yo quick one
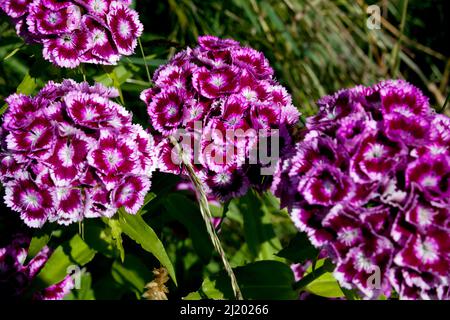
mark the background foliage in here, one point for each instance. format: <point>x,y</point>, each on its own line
<point>316,47</point>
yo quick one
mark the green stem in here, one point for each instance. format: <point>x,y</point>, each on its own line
<point>310,277</point>
<point>396,50</point>
<point>445,104</point>
<point>82,71</point>
<point>145,61</point>
<point>207,216</point>
<point>225,210</point>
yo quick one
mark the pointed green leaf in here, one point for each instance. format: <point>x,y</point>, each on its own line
<point>258,280</point>
<point>208,290</point>
<point>137,229</point>
<point>116,233</point>
<point>28,85</point>
<point>299,249</point>
<point>36,245</point>
<point>72,253</point>
<point>325,286</point>
<point>132,274</point>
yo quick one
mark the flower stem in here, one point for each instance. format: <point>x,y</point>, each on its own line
<point>397,47</point>
<point>445,104</point>
<point>207,216</point>
<point>310,277</point>
<point>145,61</point>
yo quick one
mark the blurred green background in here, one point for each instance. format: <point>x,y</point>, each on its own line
<point>315,46</point>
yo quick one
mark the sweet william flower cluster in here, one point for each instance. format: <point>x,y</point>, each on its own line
<point>16,275</point>
<point>370,183</point>
<point>77,31</point>
<point>71,153</point>
<point>212,96</point>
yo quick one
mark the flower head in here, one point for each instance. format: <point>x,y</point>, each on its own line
<point>77,31</point>
<point>70,152</point>
<point>221,103</point>
<point>370,184</point>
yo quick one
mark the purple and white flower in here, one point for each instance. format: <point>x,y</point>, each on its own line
<point>218,100</point>
<point>77,31</point>
<point>369,183</point>
<point>70,153</point>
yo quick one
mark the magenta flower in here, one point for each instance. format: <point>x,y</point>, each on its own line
<point>77,31</point>
<point>70,152</point>
<point>369,183</point>
<point>220,101</point>
<point>16,276</point>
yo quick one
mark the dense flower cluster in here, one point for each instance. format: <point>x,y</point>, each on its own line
<point>370,183</point>
<point>77,31</point>
<point>220,97</point>
<point>70,152</point>
<point>16,275</point>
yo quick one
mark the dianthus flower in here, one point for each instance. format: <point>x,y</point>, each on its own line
<point>370,184</point>
<point>16,276</point>
<point>71,153</point>
<point>77,31</point>
<point>220,101</point>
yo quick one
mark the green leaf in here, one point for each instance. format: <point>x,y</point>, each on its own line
<point>12,53</point>
<point>208,290</point>
<point>132,274</point>
<point>3,109</point>
<point>148,198</point>
<point>299,249</point>
<point>258,280</point>
<point>258,228</point>
<point>37,243</point>
<point>74,252</point>
<point>137,229</point>
<point>116,234</point>
<point>106,288</point>
<point>28,85</point>
<point>188,213</point>
<point>85,291</point>
<point>98,236</point>
<point>325,285</point>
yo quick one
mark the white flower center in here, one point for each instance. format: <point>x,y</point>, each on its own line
<point>65,155</point>
<point>99,37</point>
<point>248,94</point>
<point>124,29</point>
<point>67,39</point>
<point>217,81</point>
<point>425,216</point>
<point>98,6</point>
<point>178,84</point>
<point>172,110</point>
<point>426,251</point>
<point>31,199</point>
<point>363,263</point>
<point>35,135</point>
<point>89,113</point>
<point>430,181</point>
<point>223,178</point>
<point>52,18</point>
<point>376,152</point>
<point>112,157</point>
<point>348,236</point>
<point>126,192</point>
